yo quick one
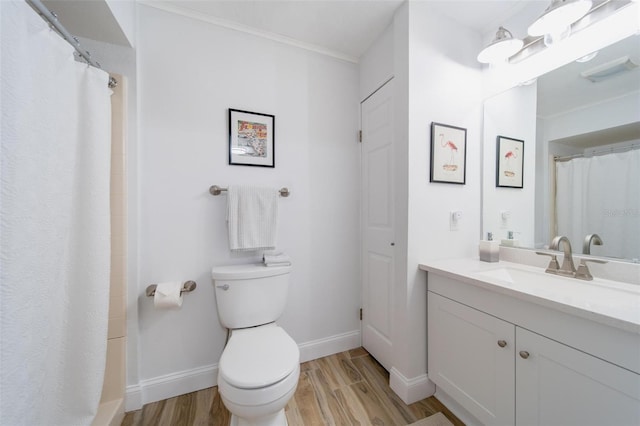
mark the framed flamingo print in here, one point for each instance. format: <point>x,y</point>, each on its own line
<point>448,154</point>
<point>509,162</point>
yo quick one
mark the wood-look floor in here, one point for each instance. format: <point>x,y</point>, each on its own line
<point>349,388</point>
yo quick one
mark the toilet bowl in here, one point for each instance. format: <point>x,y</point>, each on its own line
<point>258,374</point>
<point>260,365</point>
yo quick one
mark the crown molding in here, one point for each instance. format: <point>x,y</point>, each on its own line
<point>190,13</point>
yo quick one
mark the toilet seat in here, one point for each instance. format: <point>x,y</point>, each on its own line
<point>258,400</point>
<point>258,357</point>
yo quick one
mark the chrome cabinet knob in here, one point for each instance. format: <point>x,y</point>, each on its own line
<point>502,343</point>
<point>524,354</point>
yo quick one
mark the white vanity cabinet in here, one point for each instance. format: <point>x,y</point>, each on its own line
<point>508,361</point>
<point>556,384</point>
<point>474,361</point>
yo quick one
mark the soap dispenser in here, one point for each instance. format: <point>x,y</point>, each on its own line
<point>489,249</point>
<point>510,241</point>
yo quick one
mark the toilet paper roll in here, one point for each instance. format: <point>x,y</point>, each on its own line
<point>168,295</point>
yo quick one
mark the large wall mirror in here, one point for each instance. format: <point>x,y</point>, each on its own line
<point>581,129</point>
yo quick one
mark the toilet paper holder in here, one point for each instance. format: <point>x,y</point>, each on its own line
<point>188,286</point>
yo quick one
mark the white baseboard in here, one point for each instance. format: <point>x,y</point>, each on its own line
<point>170,385</point>
<point>133,398</point>
<point>179,383</point>
<point>411,390</point>
<point>330,345</point>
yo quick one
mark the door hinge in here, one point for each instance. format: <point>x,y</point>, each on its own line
<point>360,314</point>
<point>360,136</point>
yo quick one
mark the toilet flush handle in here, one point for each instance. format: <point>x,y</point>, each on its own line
<point>224,287</point>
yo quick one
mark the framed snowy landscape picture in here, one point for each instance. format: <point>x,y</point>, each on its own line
<point>251,138</point>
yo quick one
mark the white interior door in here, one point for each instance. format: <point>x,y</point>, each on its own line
<point>377,222</point>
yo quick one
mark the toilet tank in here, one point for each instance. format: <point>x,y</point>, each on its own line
<point>250,295</point>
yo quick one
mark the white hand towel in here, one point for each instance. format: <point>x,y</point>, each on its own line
<point>252,217</point>
<point>276,259</point>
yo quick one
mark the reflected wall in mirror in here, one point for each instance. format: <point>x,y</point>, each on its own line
<point>510,209</point>
<point>587,155</point>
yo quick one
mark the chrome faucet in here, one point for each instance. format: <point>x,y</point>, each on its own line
<point>586,246</point>
<point>553,264</point>
<point>567,269</point>
<point>583,272</point>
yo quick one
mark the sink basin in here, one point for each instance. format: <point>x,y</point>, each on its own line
<point>610,302</point>
<point>592,295</point>
<point>509,275</point>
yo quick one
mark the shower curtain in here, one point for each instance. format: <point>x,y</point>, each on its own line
<point>601,195</point>
<point>55,226</point>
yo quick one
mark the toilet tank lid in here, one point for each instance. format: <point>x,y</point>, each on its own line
<point>241,272</point>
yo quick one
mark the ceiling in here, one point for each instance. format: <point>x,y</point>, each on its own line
<point>341,28</point>
<point>91,19</point>
<point>345,27</point>
<point>564,89</point>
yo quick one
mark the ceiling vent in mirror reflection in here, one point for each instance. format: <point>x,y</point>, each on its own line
<point>609,69</point>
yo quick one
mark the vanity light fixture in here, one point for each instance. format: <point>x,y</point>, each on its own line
<point>501,48</point>
<point>558,17</point>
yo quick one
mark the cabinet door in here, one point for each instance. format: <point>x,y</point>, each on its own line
<point>559,385</point>
<point>471,358</point>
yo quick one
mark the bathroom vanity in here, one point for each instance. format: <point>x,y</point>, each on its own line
<point>513,345</point>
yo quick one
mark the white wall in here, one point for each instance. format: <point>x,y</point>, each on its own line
<point>376,65</point>
<point>103,20</point>
<point>445,86</point>
<point>603,115</point>
<point>124,12</point>
<point>190,73</point>
<point>436,78</point>
<point>511,114</point>
<point>389,57</point>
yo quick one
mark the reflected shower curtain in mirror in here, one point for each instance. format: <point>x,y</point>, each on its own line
<point>601,195</point>
<point>55,245</point>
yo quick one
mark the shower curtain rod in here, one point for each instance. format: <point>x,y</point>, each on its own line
<point>600,152</point>
<point>52,19</point>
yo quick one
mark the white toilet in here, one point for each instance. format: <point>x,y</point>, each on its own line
<point>260,365</point>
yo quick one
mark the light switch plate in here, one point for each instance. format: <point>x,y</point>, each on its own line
<point>454,219</point>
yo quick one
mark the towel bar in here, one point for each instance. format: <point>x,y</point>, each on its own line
<point>216,190</point>
<point>186,287</point>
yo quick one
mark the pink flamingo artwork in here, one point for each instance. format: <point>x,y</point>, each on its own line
<point>510,155</point>
<point>453,149</point>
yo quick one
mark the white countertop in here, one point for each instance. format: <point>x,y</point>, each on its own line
<point>609,302</point>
